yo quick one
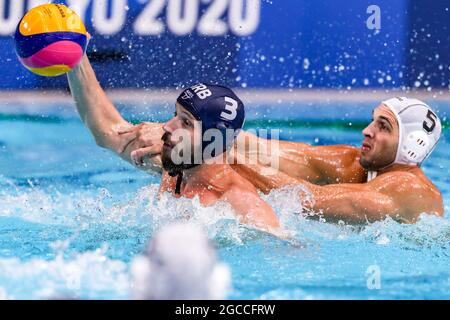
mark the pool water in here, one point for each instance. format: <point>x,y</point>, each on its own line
<point>73,216</point>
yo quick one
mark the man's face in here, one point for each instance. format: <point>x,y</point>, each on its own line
<point>379,146</point>
<point>182,138</point>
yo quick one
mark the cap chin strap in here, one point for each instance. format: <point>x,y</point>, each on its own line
<point>371,175</point>
<point>179,175</point>
<point>179,181</point>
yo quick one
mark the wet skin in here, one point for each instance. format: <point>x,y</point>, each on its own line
<point>210,182</point>
<point>335,175</point>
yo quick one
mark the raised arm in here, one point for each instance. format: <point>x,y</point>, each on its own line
<point>250,208</point>
<point>295,160</point>
<point>316,164</point>
<point>96,110</point>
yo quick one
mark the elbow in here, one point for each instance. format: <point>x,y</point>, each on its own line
<point>107,139</point>
<point>104,133</point>
<point>349,212</point>
<point>102,142</point>
<point>439,204</point>
<point>440,212</point>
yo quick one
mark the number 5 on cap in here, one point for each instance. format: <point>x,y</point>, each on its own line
<point>429,127</point>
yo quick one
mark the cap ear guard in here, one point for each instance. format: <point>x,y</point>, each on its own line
<point>228,139</point>
<point>415,147</point>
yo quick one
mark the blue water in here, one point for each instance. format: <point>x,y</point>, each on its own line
<point>73,216</point>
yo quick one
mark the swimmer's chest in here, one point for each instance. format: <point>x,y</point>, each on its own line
<point>207,195</point>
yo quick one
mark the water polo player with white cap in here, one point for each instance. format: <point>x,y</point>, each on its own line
<point>419,129</point>
<point>401,136</point>
<point>383,177</point>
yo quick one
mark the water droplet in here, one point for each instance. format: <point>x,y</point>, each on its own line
<point>306,63</point>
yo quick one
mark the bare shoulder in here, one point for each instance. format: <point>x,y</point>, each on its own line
<point>395,177</point>
<point>236,184</point>
<point>240,183</point>
<point>413,190</point>
<point>340,163</point>
<point>412,179</point>
<point>402,183</point>
<point>346,148</point>
<point>349,156</point>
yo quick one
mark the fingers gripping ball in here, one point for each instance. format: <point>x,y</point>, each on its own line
<point>50,40</point>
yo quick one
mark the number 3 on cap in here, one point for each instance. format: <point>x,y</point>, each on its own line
<point>230,106</point>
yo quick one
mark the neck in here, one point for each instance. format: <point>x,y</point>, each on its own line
<point>396,167</point>
<point>204,174</point>
<point>205,170</point>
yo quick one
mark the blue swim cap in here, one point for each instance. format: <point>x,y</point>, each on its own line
<point>217,107</point>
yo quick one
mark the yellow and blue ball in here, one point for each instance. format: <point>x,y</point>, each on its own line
<point>50,40</point>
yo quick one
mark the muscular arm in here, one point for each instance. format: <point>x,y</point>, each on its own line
<point>100,115</point>
<point>294,160</point>
<point>398,195</point>
<point>316,164</point>
<point>94,107</point>
<point>251,209</point>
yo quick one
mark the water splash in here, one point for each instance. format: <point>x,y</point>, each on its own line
<point>428,232</point>
<point>79,244</point>
<point>85,275</point>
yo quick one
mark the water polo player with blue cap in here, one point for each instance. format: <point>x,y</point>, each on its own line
<point>217,108</point>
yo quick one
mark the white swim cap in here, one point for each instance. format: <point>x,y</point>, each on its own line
<point>181,264</point>
<point>419,129</point>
